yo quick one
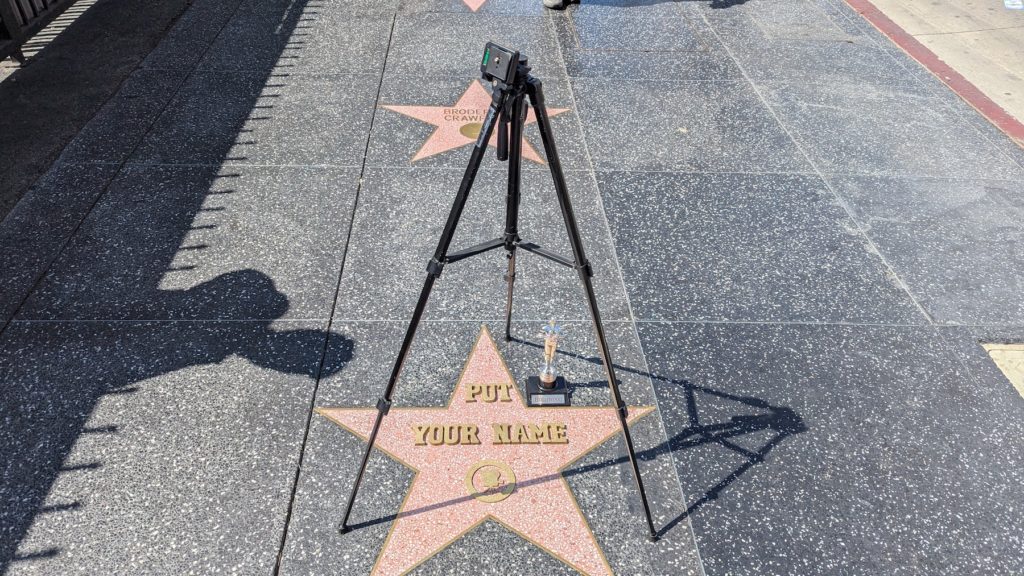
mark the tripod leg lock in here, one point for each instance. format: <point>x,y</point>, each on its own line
<point>434,267</point>
<point>586,268</point>
<point>383,406</point>
<point>623,411</point>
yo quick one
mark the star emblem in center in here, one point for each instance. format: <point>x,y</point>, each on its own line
<point>487,456</point>
<point>459,124</point>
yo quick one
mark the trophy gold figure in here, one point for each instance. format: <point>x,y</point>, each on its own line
<point>548,388</point>
<point>551,333</point>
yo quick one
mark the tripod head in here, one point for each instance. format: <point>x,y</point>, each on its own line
<point>508,71</point>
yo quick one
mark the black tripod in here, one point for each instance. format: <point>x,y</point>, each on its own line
<point>508,110</point>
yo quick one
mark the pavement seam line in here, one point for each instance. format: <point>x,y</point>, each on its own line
<point>120,165</point>
<point>592,171</point>
<point>334,304</point>
<point>865,16</point>
<point>842,202</point>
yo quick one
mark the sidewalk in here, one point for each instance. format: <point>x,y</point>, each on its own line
<point>800,240</point>
<point>971,46</point>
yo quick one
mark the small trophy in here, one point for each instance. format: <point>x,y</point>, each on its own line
<point>548,388</point>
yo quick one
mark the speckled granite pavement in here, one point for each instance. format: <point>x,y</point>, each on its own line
<point>801,241</point>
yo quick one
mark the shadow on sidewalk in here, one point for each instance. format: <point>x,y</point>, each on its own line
<point>53,375</point>
<point>46,102</point>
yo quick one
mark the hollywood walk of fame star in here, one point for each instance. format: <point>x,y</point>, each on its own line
<point>474,5</point>
<point>459,486</point>
<point>459,124</point>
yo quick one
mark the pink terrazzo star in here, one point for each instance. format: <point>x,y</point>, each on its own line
<point>474,5</point>
<point>459,124</point>
<point>459,486</point>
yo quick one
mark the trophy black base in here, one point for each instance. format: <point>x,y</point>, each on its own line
<point>537,395</point>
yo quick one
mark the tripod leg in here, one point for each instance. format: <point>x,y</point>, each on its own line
<point>433,272</point>
<point>511,279</point>
<point>536,93</point>
<point>515,161</point>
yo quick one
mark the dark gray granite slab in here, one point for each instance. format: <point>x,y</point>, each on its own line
<point>259,117</point>
<point>358,7</point>
<point>853,128</point>
<point>205,243</point>
<point>746,248</point>
<point>957,244</point>
<point>114,132</point>
<point>810,19</point>
<point>191,36</point>
<point>34,232</point>
<point>397,138</point>
<point>803,44</point>
<point>601,482</point>
<point>682,126</point>
<point>839,450</point>
<point>398,222</point>
<point>1014,150</point>
<point>430,45</point>
<point>301,40</point>
<point>519,7</point>
<point>621,39</point>
<point>152,447</point>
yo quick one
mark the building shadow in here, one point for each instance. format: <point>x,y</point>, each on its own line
<point>54,374</point>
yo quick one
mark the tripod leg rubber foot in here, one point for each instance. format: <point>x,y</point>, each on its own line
<point>652,537</point>
<point>345,529</point>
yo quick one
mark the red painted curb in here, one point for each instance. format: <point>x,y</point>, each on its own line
<point>963,88</point>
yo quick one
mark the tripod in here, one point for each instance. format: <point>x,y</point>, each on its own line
<point>508,111</point>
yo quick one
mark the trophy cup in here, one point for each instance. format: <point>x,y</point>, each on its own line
<point>548,388</point>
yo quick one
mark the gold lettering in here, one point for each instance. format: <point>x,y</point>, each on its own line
<point>469,435</point>
<point>503,393</point>
<point>472,391</point>
<point>501,434</point>
<point>420,434</point>
<point>557,433</point>
<point>490,394</point>
<point>522,435</point>
<point>436,436</point>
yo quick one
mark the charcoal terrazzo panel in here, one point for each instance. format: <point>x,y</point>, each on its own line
<point>695,126</point>
<point>804,44</point>
<point>191,36</point>
<point>262,117</point>
<point>481,7</point>
<point>820,450</point>
<point>955,243</point>
<point>205,243</point>
<point>142,446</point>
<point>35,231</point>
<point>734,247</point>
<point>115,131</point>
<point>437,45</point>
<point>401,214</point>
<point>852,128</point>
<point>302,40</point>
<point>617,39</point>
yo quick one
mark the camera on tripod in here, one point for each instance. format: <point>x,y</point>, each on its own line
<point>499,64</point>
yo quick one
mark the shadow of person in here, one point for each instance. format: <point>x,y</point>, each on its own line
<point>59,379</point>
